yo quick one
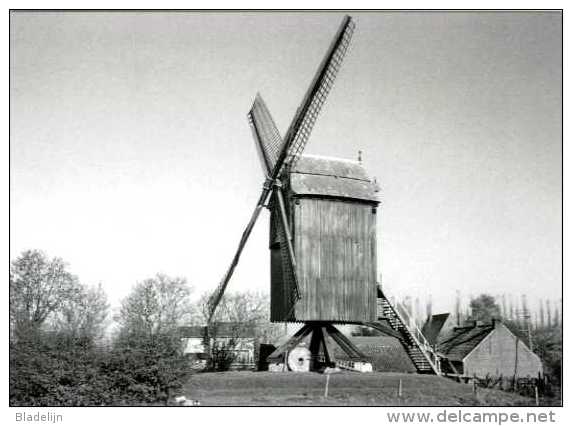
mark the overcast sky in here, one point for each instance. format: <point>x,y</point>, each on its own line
<point>131,152</point>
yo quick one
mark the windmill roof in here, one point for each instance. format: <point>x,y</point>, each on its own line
<point>335,177</point>
<point>457,344</point>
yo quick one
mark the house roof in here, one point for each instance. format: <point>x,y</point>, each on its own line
<point>514,329</point>
<point>192,331</point>
<point>336,177</point>
<point>432,328</point>
<point>458,342</point>
<point>222,329</point>
<point>382,326</point>
<point>386,353</point>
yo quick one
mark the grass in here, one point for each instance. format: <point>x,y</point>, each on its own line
<point>345,388</point>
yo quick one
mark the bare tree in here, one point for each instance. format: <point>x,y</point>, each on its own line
<point>239,311</point>
<point>38,288</point>
<point>84,314</point>
<point>147,347</point>
<point>243,307</point>
<point>156,305</point>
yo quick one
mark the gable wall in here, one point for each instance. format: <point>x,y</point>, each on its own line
<point>496,355</point>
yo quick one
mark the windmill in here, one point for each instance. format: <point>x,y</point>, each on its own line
<point>322,229</point>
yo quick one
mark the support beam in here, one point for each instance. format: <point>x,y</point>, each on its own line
<point>328,354</point>
<point>319,332</point>
<point>291,343</point>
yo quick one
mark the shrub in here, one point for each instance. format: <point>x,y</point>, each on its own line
<point>53,369</point>
<point>56,370</point>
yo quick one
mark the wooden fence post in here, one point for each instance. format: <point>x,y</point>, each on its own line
<point>327,384</point>
<point>400,389</point>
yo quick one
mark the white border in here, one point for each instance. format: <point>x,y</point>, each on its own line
<point>263,415</point>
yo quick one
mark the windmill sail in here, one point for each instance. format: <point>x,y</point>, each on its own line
<point>276,153</point>
<point>269,143</point>
<point>305,117</point>
<point>216,297</point>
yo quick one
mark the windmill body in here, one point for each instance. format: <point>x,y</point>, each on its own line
<point>322,233</point>
<point>323,214</point>
<point>332,210</point>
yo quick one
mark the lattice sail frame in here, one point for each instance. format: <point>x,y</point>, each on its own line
<point>267,138</point>
<point>269,143</point>
<point>319,89</point>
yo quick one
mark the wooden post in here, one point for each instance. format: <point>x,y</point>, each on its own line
<point>327,384</point>
<point>400,389</point>
<point>536,395</point>
<point>474,384</point>
<point>515,364</point>
<point>513,385</point>
<point>458,307</point>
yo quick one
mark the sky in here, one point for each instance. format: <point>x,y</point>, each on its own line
<point>131,154</point>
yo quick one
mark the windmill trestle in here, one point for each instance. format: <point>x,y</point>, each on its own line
<point>320,354</point>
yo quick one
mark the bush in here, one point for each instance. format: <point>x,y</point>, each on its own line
<point>56,370</point>
<point>147,369</point>
<point>53,369</point>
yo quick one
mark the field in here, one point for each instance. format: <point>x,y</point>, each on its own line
<point>345,388</point>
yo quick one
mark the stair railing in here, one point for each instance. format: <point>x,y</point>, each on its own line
<point>420,340</point>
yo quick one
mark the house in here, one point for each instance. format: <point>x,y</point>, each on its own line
<point>486,349</point>
<point>232,340</point>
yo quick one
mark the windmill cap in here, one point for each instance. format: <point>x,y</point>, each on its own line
<point>333,177</point>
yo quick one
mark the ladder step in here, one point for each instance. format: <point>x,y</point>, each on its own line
<point>418,355</point>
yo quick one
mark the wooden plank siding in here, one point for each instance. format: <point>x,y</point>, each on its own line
<point>335,246</point>
<point>332,208</point>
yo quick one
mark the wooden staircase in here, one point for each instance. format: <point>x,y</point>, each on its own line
<point>422,354</point>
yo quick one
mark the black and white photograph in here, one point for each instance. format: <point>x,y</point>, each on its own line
<point>310,208</point>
